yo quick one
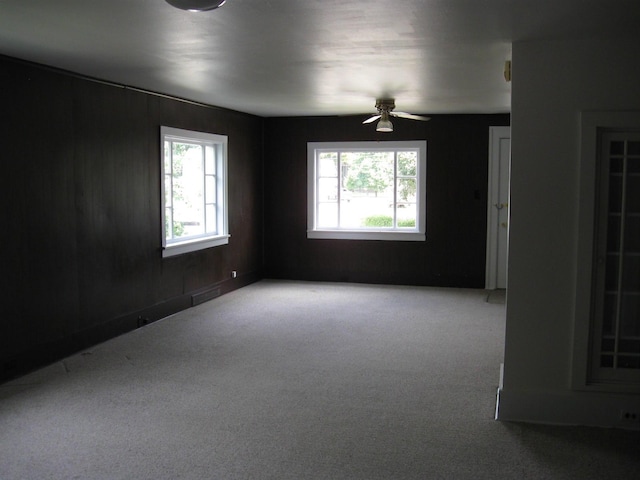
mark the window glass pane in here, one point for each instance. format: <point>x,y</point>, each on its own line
<point>611,272</point>
<point>167,158</point>
<point>210,189</point>
<point>328,164</point>
<point>327,215</point>
<point>632,233</point>
<point>188,189</point>
<point>168,196</point>
<point>608,344</point>
<point>631,273</point>
<point>351,213</point>
<point>629,345</point>
<point>613,233</point>
<point>629,324</point>
<point>625,361</point>
<point>406,215</point>
<point>407,188</point>
<point>366,211</point>
<point>407,164</point>
<point>367,190</point>
<point>606,361</point>
<point>615,165</point>
<point>633,194</point>
<point>368,173</point>
<point>633,148</point>
<point>377,220</point>
<point>210,163</point>
<point>616,148</point>
<point>212,220</point>
<point>193,227</point>
<point>615,194</point>
<point>168,220</point>
<point>328,190</point>
<point>609,313</point>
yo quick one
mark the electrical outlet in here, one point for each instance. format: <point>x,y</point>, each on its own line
<point>234,274</point>
<point>142,321</point>
<point>628,416</point>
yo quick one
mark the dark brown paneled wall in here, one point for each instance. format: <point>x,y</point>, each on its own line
<point>80,194</point>
<point>457,165</point>
<point>80,201</point>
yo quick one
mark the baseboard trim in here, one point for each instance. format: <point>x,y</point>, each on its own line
<point>571,408</point>
<point>43,354</point>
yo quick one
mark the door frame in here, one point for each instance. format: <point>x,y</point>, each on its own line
<point>496,134</point>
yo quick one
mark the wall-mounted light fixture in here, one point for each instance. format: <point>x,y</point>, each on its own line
<point>196,5</point>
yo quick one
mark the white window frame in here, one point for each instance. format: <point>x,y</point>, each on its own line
<point>395,234</point>
<point>206,240</point>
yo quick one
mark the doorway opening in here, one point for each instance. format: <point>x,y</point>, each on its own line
<point>498,208</point>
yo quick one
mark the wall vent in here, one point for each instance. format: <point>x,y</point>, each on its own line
<point>205,296</point>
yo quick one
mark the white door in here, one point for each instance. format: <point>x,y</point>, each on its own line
<point>498,207</point>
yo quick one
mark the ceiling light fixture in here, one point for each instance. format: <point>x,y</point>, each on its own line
<point>385,108</point>
<point>196,5</point>
<point>384,125</point>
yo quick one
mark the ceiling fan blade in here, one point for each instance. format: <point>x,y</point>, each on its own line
<point>410,116</point>
<point>372,119</point>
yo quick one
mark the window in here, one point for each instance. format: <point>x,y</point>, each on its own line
<point>367,190</point>
<point>194,191</point>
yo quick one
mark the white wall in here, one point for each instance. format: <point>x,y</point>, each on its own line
<point>552,83</point>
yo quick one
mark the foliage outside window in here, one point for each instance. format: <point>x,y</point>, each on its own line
<point>367,190</point>
<point>194,190</point>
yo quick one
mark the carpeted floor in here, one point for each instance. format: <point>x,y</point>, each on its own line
<point>295,380</point>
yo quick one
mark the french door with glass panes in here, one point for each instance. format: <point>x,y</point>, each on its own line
<point>615,330</point>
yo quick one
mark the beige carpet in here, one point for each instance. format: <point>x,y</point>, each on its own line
<point>293,380</point>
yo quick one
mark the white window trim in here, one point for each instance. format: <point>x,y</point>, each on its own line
<point>206,240</point>
<point>416,234</point>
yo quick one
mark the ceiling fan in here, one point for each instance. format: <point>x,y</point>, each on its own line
<point>385,108</point>
<point>196,5</point>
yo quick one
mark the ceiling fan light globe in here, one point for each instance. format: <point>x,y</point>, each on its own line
<point>196,5</point>
<point>384,126</point>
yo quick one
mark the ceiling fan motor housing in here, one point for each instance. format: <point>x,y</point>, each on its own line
<point>385,104</point>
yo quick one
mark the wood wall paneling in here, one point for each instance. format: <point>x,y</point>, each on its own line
<point>454,252</point>
<point>81,256</point>
<point>81,259</point>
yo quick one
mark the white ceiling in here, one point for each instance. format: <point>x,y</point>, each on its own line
<point>306,57</point>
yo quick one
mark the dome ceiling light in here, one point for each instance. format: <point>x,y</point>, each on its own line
<point>384,125</point>
<point>196,5</point>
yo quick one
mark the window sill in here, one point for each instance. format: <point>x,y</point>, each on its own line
<point>410,236</point>
<point>194,245</point>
